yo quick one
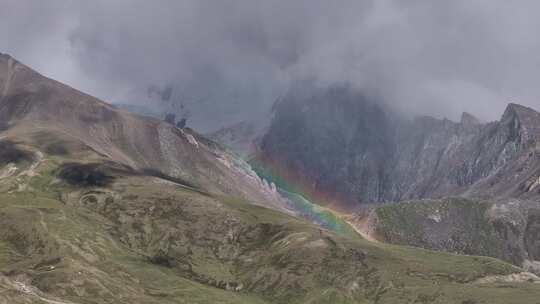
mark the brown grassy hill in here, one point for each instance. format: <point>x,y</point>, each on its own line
<point>35,107</point>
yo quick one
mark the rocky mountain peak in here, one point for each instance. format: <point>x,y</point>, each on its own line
<point>30,101</point>
<point>520,112</point>
<point>6,59</point>
<point>523,122</point>
<point>373,158</point>
<point>468,119</point>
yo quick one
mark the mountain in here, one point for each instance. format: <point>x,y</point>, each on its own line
<point>242,137</point>
<point>465,187</point>
<point>345,150</point>
<point>98,205</point>
<point>141,109</point>
<point>36,108</point>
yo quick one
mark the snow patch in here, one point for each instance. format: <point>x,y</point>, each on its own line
<point>320,243</point>
<point>532,266</point>
<point>192,140</point>
<point>535,184</point>
<point>8,171</point>
<point>511,278</point>
<point>436,217</point>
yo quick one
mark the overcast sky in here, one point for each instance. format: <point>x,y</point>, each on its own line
<point>229,60</point>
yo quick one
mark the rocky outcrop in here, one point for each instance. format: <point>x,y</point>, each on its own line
<point>345,150</point>
<point>508,231</point>
<point>240,137</point>
<point>336,144</point>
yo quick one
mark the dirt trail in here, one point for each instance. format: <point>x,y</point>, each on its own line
<point>32,292</point>
<point>511,278</point>
<point>364,224</point>
<point>28,290</point>
<point>31,171</point>
<point>363,232</point>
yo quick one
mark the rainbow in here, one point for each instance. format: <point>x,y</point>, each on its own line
<point>301,201</point>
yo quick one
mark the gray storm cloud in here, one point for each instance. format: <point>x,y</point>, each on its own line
<point>229,60</point>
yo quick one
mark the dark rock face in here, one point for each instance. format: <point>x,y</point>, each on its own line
<point>240,137</point>
<point>337,143</point>
<point>333,143</point>
<point>10,153</point>
<point>170,118</point>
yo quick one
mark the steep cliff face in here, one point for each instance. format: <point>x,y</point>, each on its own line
<point>242,137</point>
<point>346,150</point>
<point>334,143</point>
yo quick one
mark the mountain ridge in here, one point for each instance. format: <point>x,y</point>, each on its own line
<point>102,206</point>
<point>34,102</point>
<point>420,158</point>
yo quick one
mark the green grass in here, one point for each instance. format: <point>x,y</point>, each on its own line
<point>463,227</point>
<point>165,283</point>
<point>137,241</point>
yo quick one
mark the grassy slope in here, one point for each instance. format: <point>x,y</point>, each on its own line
<point>454,225</point>
<point>144,240</point>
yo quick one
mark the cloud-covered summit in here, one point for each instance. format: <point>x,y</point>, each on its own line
<point>229,60</point>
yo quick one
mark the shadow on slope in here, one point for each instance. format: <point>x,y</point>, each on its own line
<point>104,174</point>
<point>10,153</point>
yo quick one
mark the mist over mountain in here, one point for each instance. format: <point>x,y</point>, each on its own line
<point>100,205</point>
<point>231,61</point>
<point>269,152</point>
<point>345,149</point>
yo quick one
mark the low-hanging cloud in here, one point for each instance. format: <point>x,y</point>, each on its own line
<point>229,60</point>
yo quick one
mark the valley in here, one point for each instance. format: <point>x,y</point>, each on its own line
<point>99,205</point>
